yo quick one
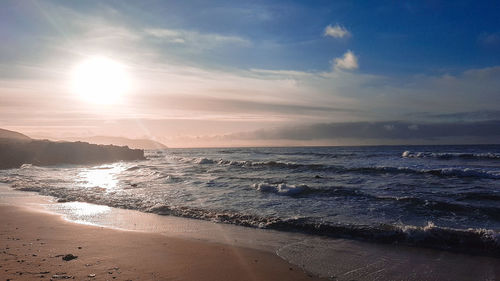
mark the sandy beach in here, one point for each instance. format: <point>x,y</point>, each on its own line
<point>33,245</point>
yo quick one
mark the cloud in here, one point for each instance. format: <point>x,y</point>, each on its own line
<point>163,32</point>
<point>241,14</point>
<point>348,61</point>
<point>195,38</point>
<point>238,107</point>
<point>336,31</point>
<point>483,115</point>
<point>379,131</point>
<point>490,40</point>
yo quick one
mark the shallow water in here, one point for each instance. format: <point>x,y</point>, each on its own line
<point>433,196</point>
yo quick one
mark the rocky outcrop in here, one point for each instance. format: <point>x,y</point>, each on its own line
<point>14,153</point>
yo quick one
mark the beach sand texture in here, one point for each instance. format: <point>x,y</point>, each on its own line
<point>33,245</point>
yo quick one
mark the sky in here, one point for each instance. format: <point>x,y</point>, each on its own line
<point>253,73</point>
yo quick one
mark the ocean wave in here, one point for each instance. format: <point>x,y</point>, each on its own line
<point>149,154</point>
<point>248,163</point>
<point>411,202</point>
<point>35,167</point>
<point>225,151</point>
<point>203,161</point>
<point>302,189</point>
<point>480,196</point>
<point>481,241</point>
<point>445,206</point>
<point>322,154</point>
<point>134,168</point>
<point>451,155</point>
<point>477,241</point>
<point>282,188</point>
<point>442,172</point>
<point>228,217</point>
<point>142,167</point>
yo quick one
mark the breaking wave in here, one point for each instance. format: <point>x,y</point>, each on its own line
<point>282,188</point>
<point>442,172</point>
<point>451,155</point>
<point>480,241</point>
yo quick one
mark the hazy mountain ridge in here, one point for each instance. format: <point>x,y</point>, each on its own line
<point>12,135</point>
<point>121,141</point>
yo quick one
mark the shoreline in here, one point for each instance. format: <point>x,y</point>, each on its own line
<point>34,244</point>
<point>336,259</point>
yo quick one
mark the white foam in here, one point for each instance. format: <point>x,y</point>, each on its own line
<point>281,189</point>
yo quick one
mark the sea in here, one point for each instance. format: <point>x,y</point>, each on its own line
<point>444,197</point>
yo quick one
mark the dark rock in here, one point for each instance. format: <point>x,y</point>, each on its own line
<point>69,257</point>
<point>45,153</point>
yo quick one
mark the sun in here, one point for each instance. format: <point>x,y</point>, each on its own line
<point>100,80</point>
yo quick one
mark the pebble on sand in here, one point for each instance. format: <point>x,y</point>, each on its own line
<point>69,257</point>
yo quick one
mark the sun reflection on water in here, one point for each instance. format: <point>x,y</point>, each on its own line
<point>83,213</point>
<point>104,177</point>
<point>81,209</point>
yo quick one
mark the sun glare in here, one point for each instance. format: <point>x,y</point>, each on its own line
<point>100,80</point>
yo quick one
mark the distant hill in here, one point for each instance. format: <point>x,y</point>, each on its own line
<point>132,143</point>
<point>11,135</point>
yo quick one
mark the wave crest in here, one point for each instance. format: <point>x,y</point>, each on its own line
<point>282,188</point>
<point>477,241</point>
<point>442,172</point>
<point>451,155</point>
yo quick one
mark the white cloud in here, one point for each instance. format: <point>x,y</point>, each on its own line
<point>348,61</point>
<point>336,31</point>
<point>195,38</point>
<point>178,40</point>
<point>162,32</point>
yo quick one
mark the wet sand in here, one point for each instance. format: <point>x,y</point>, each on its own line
<point>33,245</point>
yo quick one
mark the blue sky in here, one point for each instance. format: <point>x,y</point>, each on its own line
<point>258,64</point>
<point>391,37</point>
